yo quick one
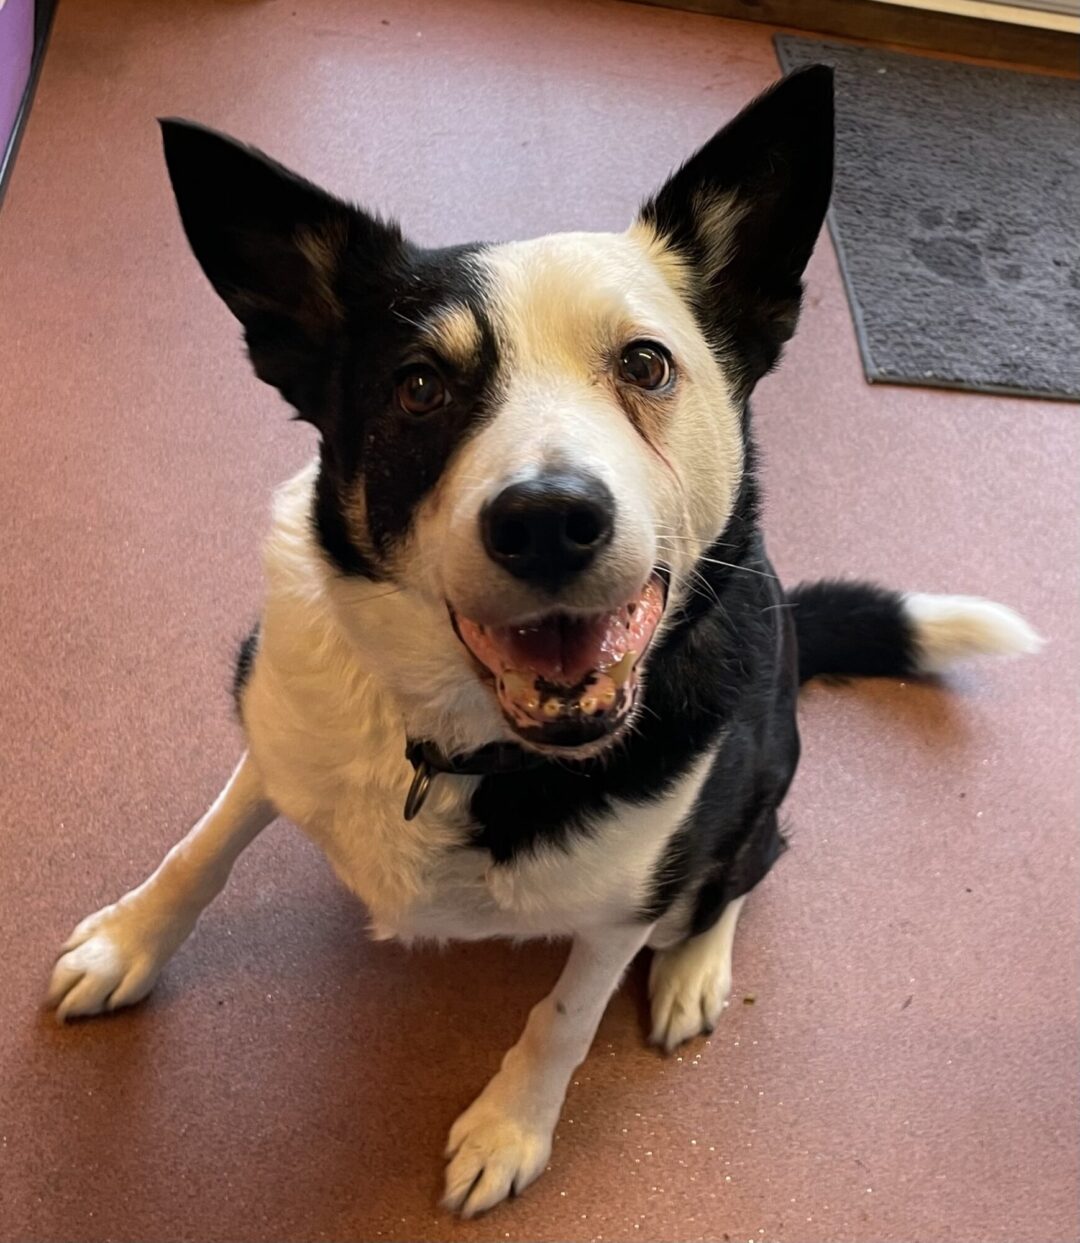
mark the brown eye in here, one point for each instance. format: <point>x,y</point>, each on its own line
<point>421,391</point>
<point>645,364</point>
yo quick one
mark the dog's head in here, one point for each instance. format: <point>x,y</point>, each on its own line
<point>535,441</point>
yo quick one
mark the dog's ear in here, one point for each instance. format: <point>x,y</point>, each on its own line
<point>744,213</point>
<point>275,248</point>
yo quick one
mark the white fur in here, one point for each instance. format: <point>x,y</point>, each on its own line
<point>689,984</point>
<point>503,1140</point>
<point>346,669</point>
<point>565,306</point>
<point>114,956</point>
<point>952,628</point>
<point>343,672</point>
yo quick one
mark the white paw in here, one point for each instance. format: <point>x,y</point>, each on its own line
<point>498,1146</point>
<point>113,958</point>
<point>688,988</point>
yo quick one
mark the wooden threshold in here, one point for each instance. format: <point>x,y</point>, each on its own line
<point>896,24</point>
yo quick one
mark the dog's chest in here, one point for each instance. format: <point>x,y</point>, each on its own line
<point>589,876</point>
<point>334,763</point>
<point>329,740</point>
<point>425,878</point>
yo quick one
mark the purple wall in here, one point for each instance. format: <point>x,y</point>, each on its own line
<point>16,50</point>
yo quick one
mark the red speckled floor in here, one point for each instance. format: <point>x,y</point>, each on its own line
<point>908,1070</point>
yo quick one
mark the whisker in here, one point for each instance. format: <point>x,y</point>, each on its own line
<point>707,590</point>
<point>395,591</point>
<point>729,565</point>
<point>666,532</point>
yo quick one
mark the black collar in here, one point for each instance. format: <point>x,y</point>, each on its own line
<point>427,760</point>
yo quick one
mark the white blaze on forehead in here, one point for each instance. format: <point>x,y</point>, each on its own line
<point>563,300</point>
<point>562,308</point>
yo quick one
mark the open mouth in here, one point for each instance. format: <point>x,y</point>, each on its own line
<point>566,681</point>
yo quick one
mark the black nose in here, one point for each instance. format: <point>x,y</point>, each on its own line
<point>547,529</point>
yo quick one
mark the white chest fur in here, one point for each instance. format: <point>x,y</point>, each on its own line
<point>328,735</point>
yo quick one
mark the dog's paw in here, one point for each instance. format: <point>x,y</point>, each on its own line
<point>112,959</point>
<point>688,988</point>
<point>498,1146</point>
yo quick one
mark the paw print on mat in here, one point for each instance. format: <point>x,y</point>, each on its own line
<point>961,248</point>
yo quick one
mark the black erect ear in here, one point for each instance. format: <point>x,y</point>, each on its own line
<point>274,247</point>
<point>745,212</point>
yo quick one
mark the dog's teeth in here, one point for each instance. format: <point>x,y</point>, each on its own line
<point>516,684</point>
<point>621,670</point>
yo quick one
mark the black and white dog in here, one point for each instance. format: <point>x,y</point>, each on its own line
<point>524,668</point>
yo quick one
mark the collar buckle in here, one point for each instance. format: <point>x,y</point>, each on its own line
<point>428,761</point>
<point>423,776</point>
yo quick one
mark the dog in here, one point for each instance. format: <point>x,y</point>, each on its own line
<point>524,668</point>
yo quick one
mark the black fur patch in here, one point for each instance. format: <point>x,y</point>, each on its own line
<point>851,630</point>
<point>746,210</point>
<point>333,302</point>
<point>399,457</point>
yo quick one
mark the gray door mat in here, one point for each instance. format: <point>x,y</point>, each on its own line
<point>956,219</point>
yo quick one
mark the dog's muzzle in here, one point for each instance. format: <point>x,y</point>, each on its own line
<point>566,682</point>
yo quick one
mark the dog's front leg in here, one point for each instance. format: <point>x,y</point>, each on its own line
<point>503,1140</point>
<point>114,956</point>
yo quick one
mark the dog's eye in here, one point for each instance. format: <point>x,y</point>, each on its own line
<point>421,391</point>
<point>645,364</point>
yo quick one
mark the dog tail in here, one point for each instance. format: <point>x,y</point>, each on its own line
<point>851,629</point>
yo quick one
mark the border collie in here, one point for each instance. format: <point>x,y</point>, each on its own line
<point>524,668</point>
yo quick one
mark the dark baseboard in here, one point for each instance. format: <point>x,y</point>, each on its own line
<point>44,11</point>
<point>897,24</point>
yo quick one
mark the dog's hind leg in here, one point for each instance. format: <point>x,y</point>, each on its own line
<point>114,956</point>
<point>689,983</point>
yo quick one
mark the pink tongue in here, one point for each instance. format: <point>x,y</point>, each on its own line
<point>565,650</point>
<point>561,649</point>
<point>567,670</point>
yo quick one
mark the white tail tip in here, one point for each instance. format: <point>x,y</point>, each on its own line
<point>948,629</point>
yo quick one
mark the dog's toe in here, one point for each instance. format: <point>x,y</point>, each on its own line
<point>84,978</point>
<point>494,1151</point>
<point>495,1159</point>
<point>688,992</point>
<point>689,984</point>
<point>110,960</point>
